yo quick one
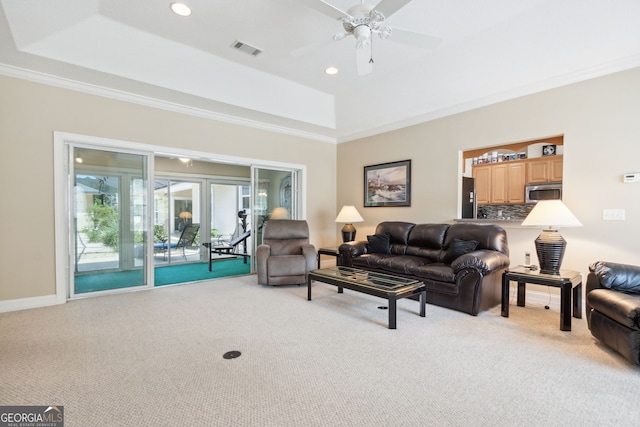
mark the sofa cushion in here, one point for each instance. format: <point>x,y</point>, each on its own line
<point>379,243</point>
<point>458,247</point>
<point>286,265</point>
<point>398,230</point>
<point>437,272</point>
<point>370,260</point>
<point>489,236</point>
<point>619,277</point>
<point>432,255</point>
<point>401,264</point>
<point>428,236</point>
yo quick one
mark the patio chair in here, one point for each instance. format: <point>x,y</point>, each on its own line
<point>187,237</point>
<point>230,248</point>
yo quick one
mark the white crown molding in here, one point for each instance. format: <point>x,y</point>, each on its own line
<point>119,95</point>
<point>551,83</point>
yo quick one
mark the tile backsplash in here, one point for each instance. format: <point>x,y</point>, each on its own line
<point>513,212</point>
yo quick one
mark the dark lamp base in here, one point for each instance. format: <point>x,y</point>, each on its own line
<point>550,248</point>
<point>348,233</point>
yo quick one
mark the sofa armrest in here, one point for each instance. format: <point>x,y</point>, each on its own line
<point>310,256</point>
<point>619,277</point>
<point>485,261</point>
<point>262,253</point>
<point>350,250</point>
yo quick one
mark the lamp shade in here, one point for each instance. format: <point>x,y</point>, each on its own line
<point>349,214</point>
<point>550,245</point>
<point>551,213</point>
<point>279,213</point>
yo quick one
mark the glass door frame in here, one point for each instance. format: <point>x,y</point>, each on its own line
<point>172,178</point>
<point>130,176</point>
<point>298,187</point>
<point>63,244</point>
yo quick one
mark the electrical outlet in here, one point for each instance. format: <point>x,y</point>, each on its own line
<point>613,214</point>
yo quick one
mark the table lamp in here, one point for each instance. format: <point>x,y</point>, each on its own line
<point>279,213</point>
<point>550,245</point>
<point>348,215</point>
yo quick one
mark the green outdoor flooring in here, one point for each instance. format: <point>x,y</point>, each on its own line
<point>166,275</point>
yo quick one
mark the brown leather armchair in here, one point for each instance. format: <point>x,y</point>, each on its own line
<point>285,256</point>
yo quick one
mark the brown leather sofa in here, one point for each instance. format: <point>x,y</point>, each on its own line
<point>613,307</point>
<point>461,264</point>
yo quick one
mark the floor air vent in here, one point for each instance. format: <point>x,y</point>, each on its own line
<point>246,48</point>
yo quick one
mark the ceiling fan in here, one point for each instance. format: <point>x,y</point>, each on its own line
<point>364,20</point>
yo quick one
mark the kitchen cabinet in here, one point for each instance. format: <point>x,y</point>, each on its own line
<point>507,183</point>
<point>482,174</point>
<point>501,183</point>
<point>516,176</point>
<point>544,169</point>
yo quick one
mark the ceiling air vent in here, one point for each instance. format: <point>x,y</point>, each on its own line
<point>246,48</point>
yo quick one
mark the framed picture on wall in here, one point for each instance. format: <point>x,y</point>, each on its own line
<point>285,193</point>
<point>388,184</point>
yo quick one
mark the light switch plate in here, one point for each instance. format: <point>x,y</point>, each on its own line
<point>631,177</point>
<point>613,214</point>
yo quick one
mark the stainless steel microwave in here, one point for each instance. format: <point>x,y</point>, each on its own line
<point>547,191</point>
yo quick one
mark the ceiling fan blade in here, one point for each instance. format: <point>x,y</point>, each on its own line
<point>412,38</point>
<point>389,7</point>
<point>325,8</point>
<point>363,60</point>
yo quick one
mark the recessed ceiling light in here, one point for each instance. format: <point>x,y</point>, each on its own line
<point>331,70</point>
<point>181,9</point>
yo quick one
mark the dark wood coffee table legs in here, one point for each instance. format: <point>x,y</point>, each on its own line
<point>391,297</point>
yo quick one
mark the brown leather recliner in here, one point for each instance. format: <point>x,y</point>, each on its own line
<point>613,307</point>
<point>285,256</point>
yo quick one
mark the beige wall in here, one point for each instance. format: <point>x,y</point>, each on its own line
<point>31,112</point>
<point>599,120</point>
<point>601,126</point>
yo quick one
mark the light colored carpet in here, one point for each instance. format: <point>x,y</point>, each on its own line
<point>154,358</point>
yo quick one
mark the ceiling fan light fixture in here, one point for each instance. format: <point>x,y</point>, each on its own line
<point>385,33</point>
<point>362,33</point>
<point>363,44</point>
<point>180,9</point>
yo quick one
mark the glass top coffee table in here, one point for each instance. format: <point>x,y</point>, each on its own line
<point>380,285</point>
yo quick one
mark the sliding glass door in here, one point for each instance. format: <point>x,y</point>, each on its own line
<point>177,220</point>
<point>275,194</point>
<point>109,220</point>
<point>230,214</point>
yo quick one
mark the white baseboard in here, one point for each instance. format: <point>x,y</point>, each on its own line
<point>27,303</point>
<point>532,298</point>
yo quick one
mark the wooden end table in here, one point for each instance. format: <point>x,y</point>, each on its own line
<point>567,281</point>
<point>330,251</point>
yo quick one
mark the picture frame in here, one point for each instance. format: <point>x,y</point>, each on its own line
<point>285,193</point>
<point>387,184</point>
